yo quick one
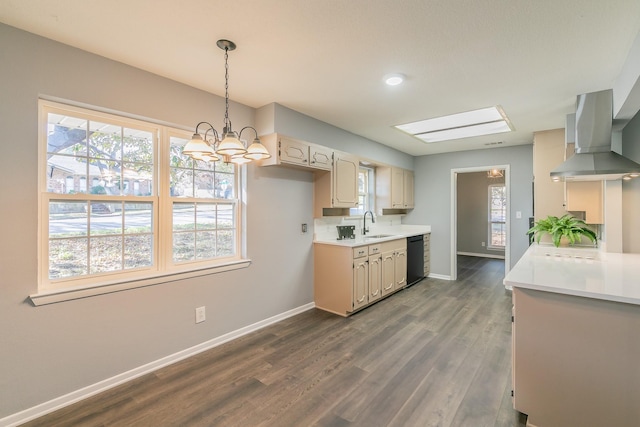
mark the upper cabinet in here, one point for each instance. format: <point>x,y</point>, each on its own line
<point>394,189</point>
<point>557,198</point>
<point>345,180</point>
<point>336,192</point>
<point>584,196</point>
<point>336,177</point>
<point>292,152</point>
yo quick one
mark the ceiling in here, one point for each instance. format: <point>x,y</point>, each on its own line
<point>326,58</point>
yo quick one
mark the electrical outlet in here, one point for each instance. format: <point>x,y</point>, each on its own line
<point>201,314</point>
<point>483,243</point>
<point>304,228</point>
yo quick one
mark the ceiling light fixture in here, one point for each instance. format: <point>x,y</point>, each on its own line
<point>495,173</point>
<point>229,146</point>
<point>394,79</point>
<point>485,121</point>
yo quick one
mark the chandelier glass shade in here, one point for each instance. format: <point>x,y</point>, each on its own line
<point>230,148</point>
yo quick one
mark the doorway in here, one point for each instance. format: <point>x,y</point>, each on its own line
<point>456,228</point>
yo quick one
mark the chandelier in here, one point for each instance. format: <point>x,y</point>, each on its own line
<point>229,146</point>
<point>495,173</point>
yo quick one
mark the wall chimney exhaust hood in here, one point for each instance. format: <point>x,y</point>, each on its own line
<point>594,160</point>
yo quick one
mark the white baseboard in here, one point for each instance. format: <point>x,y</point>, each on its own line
<point>83,393</point>
<point>439,276</point>
<point>481,255</point>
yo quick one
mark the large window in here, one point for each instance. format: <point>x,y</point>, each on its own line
<point>148,211</point>
<point>497,216</point>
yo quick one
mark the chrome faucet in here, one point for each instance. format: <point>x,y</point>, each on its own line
<point>365,230</point>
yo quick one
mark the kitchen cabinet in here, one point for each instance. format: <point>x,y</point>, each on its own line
<point>286,151</point>
<point>558,198</point>
<point>375,274</point>
<point>347,279</point>
<point>394,189</point>
<point>548,153</point>
<point>427,254</point>
<point>584,196</point>
<point>575,360</point>
<point>336,192</point>
<point>360,278</point>
<point>394,268</point>
<point>408,189</point>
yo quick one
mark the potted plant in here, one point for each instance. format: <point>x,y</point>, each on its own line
<point>573,229</point>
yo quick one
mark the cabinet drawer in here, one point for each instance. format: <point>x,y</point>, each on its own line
<point>360,252</point>
<point>375,249</point>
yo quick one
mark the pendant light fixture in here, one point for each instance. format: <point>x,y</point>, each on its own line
<point>495,173</point>
<point>228,146</point>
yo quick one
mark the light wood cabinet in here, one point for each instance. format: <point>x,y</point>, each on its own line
<point>336,192</point>
<point>558,198</point>
<point>375,278</point>
<point>584,196</point>
<point>409,190</point>
<point>575,360</point>
<point>400,268</point>
<point>348,279</point>
<point>286,151</point>
<point>345,180</point>
<point>394,189</point>
<point>427,254</point>
<point>320,157</point>
<point>360,282</point>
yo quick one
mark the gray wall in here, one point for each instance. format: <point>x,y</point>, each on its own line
<point>52,350</point>
<point>631,189</point>
<point>277,118</point>
<point>473,213</point>
<point>48,351</point>
<point>433,197</point>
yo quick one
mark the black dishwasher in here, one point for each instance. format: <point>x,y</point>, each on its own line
<point>415,259</point>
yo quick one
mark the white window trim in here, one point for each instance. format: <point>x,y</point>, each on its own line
<point>491,247</point>
<point>107,287</point>
<point>164,270</point>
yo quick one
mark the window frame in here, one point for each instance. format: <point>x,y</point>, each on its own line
<point>368,195</point>
<point>490,244</point>
<point>162,268</point>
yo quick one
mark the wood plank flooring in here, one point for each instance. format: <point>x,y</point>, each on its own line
<point>435,354</point>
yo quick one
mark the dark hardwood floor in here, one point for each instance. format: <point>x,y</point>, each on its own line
<point>435,354</point>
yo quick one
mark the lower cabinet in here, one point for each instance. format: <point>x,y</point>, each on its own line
<point>347,279</point>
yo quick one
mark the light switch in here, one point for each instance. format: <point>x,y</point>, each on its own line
<point>518,215</point>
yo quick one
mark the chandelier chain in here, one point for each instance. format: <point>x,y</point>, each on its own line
<point>226,89</point>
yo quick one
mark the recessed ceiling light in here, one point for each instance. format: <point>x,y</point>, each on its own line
<point>485,121</point>
<point>394,79</point>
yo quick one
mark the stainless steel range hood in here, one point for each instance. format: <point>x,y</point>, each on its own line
<point>594,160</point>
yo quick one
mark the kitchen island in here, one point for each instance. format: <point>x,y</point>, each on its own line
<point>576,337</point>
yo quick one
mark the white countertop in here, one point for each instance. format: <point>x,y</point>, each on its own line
<point>391,233</point>
<point>584,272</point>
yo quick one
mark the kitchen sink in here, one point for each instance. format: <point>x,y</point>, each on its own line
<point>377,236</point>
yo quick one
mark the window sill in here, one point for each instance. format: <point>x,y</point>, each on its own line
<point>496,248</point>
<point>67,294</point>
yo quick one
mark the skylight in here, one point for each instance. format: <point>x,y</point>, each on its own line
<point>485,121</point>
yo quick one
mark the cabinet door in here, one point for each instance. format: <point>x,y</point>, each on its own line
<point>397,188</point>
<point>408,190</point>
<point>388,273</point>
<point>586,196</point>
<point>375,277</point>
<point>400,269</point>
<point>295,152</point>
<point>320,157</point>
<point>345,181</point>
<point>360,282</point>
